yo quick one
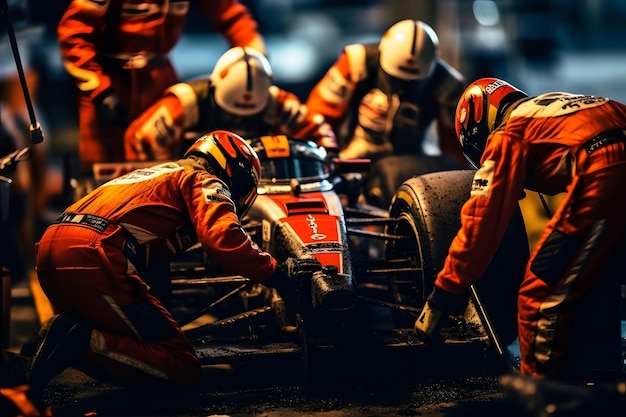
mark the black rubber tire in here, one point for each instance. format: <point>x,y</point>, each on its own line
<point>388,173</point>
<point>428,208</point>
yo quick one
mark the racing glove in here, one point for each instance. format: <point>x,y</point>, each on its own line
<point>291,271</point>
<point>434,316</point>
<point>109,109</point>
<point>156,133</point>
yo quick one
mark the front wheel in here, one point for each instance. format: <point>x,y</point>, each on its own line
<point>427,209</point>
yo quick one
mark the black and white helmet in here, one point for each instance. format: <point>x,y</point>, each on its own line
<point>242,77</point>
<point>408,50</point>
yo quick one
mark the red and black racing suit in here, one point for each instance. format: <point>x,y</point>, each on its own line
<point>90,264</point>
<point>552,143</point>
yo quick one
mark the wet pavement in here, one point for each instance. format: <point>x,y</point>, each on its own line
<point>275,389</point>
<point>390,386</point>
<point>73,394</point>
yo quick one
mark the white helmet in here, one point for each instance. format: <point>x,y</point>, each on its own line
<point>408,50</point>
<point>242,78</point>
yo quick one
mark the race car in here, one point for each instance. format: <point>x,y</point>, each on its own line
<point>378,267</point>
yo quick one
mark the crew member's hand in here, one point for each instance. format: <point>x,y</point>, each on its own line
<point>429,324</point>
<point>295,267</point>
<point>110,110</point>
<point>153,136</point>
<point>290,273</point>
<point>435,314</point>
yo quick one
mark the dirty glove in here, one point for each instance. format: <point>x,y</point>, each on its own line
<point>110,110</point>
<point>290,272</point>
<point>434,316</point>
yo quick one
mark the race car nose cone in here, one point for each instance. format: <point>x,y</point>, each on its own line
<point>332,291</point>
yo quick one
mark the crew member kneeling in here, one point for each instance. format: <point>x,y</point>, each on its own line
<point>90,263</point>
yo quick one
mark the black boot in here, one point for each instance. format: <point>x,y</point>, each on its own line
<point>64,342</point>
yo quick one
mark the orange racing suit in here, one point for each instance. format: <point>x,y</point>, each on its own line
<point>124,45</point>
<point>552,143</point>
<point>90,264</point>
<point>188,109</point>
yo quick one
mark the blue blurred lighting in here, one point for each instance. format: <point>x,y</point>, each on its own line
<point>486,12</point>
<point>293,61</point>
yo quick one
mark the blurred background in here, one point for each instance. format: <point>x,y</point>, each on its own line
<point>538,45</point>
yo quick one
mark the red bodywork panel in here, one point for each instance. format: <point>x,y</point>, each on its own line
<point>310,218</point>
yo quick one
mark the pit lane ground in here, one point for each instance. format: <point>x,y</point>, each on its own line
<point>278,390</point>
<point>469,384</point>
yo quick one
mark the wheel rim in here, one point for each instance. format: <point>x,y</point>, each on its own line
<point>406,289</point>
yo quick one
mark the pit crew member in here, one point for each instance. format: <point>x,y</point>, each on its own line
<point>117,52</point>
<point>382,98</point>
<point>238,95</point>
<point>90,263</point>
<point>551,143</point>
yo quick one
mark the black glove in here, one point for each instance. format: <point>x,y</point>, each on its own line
<point>295,267</point>
<point>439,306</point>
<point>110,110</point>
<point>290,273</point>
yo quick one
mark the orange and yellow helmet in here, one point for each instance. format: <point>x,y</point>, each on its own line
<point>234,161</point>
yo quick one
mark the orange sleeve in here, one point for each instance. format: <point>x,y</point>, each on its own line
<point>234,249</point>
<point>79,32</point>
<point>234,21</point>
<point>156,133</point>
<point>220,232</point>
<point>331,96</point>
<point>485,216</point>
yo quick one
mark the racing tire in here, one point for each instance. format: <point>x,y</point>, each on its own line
<point>388,173</point>
<point>428,211</point>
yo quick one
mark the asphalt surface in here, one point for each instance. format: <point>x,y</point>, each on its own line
<point>471,384</point>
<point>372,387</point>
<point>257,393</point>
<point>73,394</point>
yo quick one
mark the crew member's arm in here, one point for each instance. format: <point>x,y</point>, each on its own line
<point>294,119</point>
<point>219,230</point>
<point>485,217</point>
<point>79,32</point>
<point>233,20</point>
<point>331,96</point>
<point>156,134</point>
